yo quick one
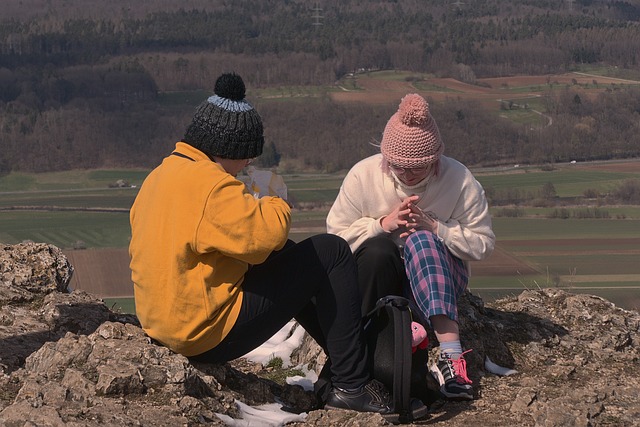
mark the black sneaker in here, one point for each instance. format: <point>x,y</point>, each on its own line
<point>372,397</point>
<point>451,374</point>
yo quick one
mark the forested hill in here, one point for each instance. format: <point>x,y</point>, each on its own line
<point>85,83</point>
<point>495,37</point>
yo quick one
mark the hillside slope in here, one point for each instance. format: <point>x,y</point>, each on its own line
<point>69,361</point>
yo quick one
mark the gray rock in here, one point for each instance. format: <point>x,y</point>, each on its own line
<point>67,360</point>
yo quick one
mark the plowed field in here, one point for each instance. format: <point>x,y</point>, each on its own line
<point>376,90</point>
<point>105,272</point>
<point>101,272</point>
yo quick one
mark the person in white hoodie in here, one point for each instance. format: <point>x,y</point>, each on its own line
<point>414,218</point>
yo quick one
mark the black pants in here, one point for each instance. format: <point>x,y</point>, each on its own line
<point>380,271</point>
<point>315,282</point>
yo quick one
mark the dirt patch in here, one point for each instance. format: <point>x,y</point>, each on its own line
<point>632,166</point>
<point>458,86</point>
<point>631,243</point>
<point>377,85</point>
<point>372,98</point>
<point>575,247</point>
<point>505,261</point>
<point>502,263</point>
<point>489,91</point>
<point>554,79</point>
<point>104,273</point>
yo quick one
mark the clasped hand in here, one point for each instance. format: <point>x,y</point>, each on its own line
<point>408,217</point>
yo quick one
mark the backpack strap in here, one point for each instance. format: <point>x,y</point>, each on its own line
<point>393,315</point>
<point>403,360</point>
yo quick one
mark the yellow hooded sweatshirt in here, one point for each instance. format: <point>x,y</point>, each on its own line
<point>195,231</point>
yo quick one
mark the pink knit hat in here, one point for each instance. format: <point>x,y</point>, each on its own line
<point>411,138</point>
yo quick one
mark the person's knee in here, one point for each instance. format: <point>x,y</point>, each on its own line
<point>331,247</point>
<point>421,239</point>
<point>420,236</point>
<point>329,240</point>
<point>378,251</point>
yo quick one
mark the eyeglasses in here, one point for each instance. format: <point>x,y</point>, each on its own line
<point>249,161</point>
<point>401,171</point>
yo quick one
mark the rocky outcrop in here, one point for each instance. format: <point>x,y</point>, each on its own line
<point>67,360</point>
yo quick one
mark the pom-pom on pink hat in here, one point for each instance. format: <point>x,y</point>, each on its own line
<point>411,138</point>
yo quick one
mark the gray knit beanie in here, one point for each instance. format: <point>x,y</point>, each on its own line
<point>226,125</point>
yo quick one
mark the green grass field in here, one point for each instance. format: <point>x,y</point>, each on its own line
<point>609,71</point>
<point>533,229</point>
<point>122,305</point>
<point>74,180</point>
<point>90,198</point>
<point>598,255</point>
<point>567,182</point>
<point>524,116</point>
<point>66,229</point>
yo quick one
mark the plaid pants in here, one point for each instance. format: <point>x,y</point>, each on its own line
<point>436,277</point>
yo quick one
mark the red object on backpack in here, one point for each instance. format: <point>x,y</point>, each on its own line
<point>419,337</point>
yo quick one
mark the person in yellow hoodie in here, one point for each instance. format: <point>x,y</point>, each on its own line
<point>214,272</point>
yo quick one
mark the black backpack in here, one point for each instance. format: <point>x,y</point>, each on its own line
<point>403,372</point>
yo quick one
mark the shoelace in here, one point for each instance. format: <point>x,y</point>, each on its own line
<point>460,368</point>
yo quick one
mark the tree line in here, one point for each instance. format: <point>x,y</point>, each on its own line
<point>81,84</point>
<point>494,38</point>
<point>319,134</point>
